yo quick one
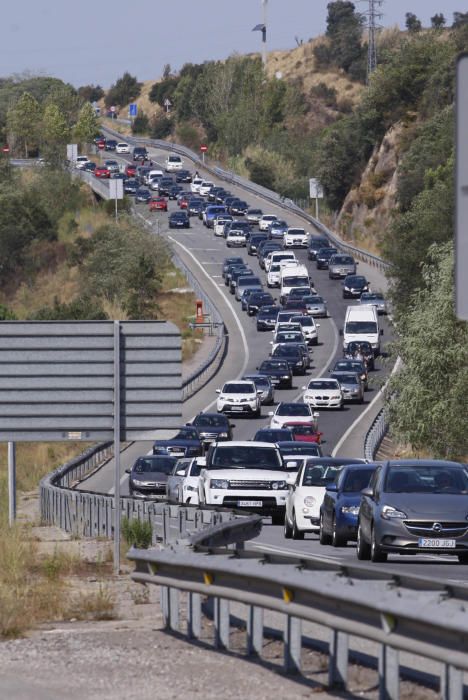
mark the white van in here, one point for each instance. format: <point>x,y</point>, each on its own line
<point>276,256</point>
<point>293,277</point>
<point>362,323</point>
<point>173,163</point>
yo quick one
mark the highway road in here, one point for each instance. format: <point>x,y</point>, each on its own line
<point>203,253</point>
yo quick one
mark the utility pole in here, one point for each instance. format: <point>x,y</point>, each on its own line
<point>373,14</point>
<point>263,28</point>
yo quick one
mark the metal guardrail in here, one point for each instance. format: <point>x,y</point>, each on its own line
<point>399,613</point>
<point>375,435</point>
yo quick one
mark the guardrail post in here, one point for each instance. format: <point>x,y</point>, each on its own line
<point>255,631</point>
<point>166,525</point>
<point>194,616</point>
<point>338,663</point>
<point>292,644</point>
<point>183,522</point>
<point>174,609</point>
<point>221,623</point>
<point>164,593</point>
<point>451,683</point>
<point>389,673</point>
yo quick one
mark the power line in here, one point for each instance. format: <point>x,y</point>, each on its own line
<point>373,14</point>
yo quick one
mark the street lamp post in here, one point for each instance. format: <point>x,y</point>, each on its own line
<point>263,28</point>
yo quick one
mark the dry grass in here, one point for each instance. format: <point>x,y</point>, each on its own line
<point>180,308</point>
<point>144,104</point>
<point>95,605</point>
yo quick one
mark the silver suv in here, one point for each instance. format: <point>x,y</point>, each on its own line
<point>341,265</point>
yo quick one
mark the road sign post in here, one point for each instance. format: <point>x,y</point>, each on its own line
<point>203,149</point>
<point>90,381</point>
<point>461,215</point>
<point>116,192</point>
<point>167,105</point>
<point>315,192</point>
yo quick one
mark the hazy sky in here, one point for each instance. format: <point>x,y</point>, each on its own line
<point>95,42</point>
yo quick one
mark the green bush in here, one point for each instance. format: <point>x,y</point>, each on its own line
<point>160,127</point>
<point>137,533</point>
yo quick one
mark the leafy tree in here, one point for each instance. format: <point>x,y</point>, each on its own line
<point>413,24</point>
<point>87,125</point>
<point>260,173</point>
<point>438,21</point>
<point>425,398</point>
<point>66,98</point>
<point>459,19</point>
<point>24,122</point>
<point>140,123</point>
<point>160,127</point>
<point>167,71</point>
<point>163,90</point>
<point>123,91</point>
<point>55,134</point>
<point>91,93</point>
<point>344,30</point>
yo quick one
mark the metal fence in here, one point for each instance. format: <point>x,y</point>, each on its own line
<point>399,613</point>
<point>375,435</point>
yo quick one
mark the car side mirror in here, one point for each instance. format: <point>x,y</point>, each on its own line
<point>232,425</point>
<point>369,492</point>
<point>317,325</point>
<point>290,479</point>
<point>218,391</point>
<point>180,472</point>
<point>331,487</point>
<point>127,471</point>
<point>303,388</point>
<point>270,413</point>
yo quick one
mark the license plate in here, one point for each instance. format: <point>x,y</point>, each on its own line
<point>236,408</point>
<point>275,381</point>
<point>249,504</point>
<point>435,542</point>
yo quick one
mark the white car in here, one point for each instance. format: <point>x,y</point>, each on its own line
<point>122,148</point>
<point>296,238</point>
<point>286,335</point>
<point>205,187</point>
<point>173,163</point>
<point>305,498</point>
<point>323,392</point>
<point>220,223</point>
<point>274,275</point>
<point>309,328</point>
<point>287,412</point>
<point>278,256</point>
<point>195,184</point>
<point>248,475</point>
<point>112,166</point>
<point>265,221</point>
<point>81,161</point>
<point>239,397</point>
<point>236,238</point>
<point>182,483</point>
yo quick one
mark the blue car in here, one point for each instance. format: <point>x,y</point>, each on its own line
<point>340,507</point>
<point>186,443</point>
<point>142,195</point>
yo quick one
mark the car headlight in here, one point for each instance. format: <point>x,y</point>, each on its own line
<point>285,376</point>
<point>350,510</point>
<point>309,501</point>
<point>279,485</point>
<point>390,513</point>
<point>219,484</point>
<point>223,435</point>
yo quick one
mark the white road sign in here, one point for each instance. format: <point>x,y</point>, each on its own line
<point>315,189</point>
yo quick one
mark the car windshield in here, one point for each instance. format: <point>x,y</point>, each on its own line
<point>427,478</point>
<point>303,320</point>
<point>361,327</point>
<point>344,365</point>
<point>319,475</point>
<point>289,338</point>
<point>296,281</point>
<point>293,409</point>
<point>154,464</point>
<point>186,434</point>
<point>310,449</point>
<point>296,231</point>
<point>210,420</point>
<point>356,281</point>
<point>280,366</point>
<point>233,388</point>
<point>348,379</point>
<point>356,480</point>
<point>320,384</point>
<point>287,350</point>
<point>246,457</point>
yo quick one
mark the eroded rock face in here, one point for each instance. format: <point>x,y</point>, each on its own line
<point>367,209</point>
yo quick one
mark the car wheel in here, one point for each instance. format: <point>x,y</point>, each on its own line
<point>287,528</point>
<point>376,553</point>
<point>336,540</point>
<point>463,558</point>
<point>323,537</point>
<point>363,550</point>
<point>296,533</point>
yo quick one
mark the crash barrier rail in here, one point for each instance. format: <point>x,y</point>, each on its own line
<point>89,514</point>
<point>375,435</point>
<point>269,195</point>
<point>399,613</point>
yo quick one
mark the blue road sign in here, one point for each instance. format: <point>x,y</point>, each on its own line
<point>133,109</point>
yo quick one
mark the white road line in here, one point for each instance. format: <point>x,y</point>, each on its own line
<point>284,550</point>
<point>361,415</point>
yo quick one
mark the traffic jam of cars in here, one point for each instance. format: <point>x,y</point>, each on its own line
<point>281,472</point>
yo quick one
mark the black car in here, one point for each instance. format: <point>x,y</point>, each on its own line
<point>233,260</point>
<point>110,145</point>
<point>165,185</point>
<point>213,193</point>
<point>257,300</point>
<point>236,273</point>
<point>234,268</point>
<point>195,207</point>
<point>179,219</point>
<point>183,176</point>
<point>186,443</point>
<point>142,195</point>
<point>315,244</point>
<point>266,317</point>
<point>140,153</point>
<point>279,372</point>
<point>354,286</point>
<point>174,191</point>
<point>238,208</point>
<point>254,240</point>
<point>212,427</point>
<point>322,257</point>
<point>148,476</point>
<point>273,435</point>
<point>89,167</point>
<point>293,355</point>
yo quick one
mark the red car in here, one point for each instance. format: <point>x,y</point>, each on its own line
<point>158,204</point>
<point>183,201</point>
<point>101,144</point>
<point>102,171</point>
<point>305,432</point>
<point>130,170</point>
